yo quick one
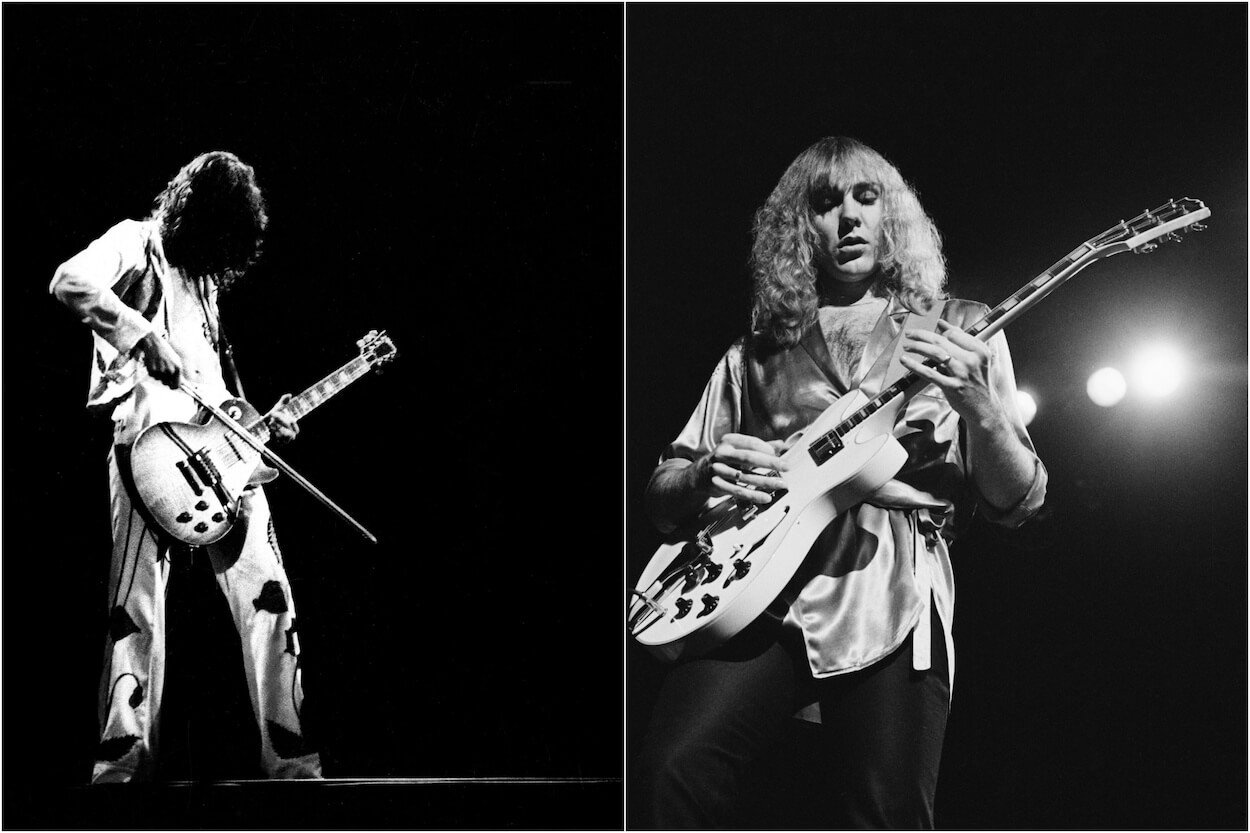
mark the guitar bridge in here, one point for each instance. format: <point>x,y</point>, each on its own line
<point>207,470</point>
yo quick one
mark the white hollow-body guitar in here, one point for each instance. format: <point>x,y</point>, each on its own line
<point>714,577</point>
<point>190,477</point>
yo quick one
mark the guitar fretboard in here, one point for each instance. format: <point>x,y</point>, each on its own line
<point>327,387</point>
<point>1016,304</point>
<point>304,403</point>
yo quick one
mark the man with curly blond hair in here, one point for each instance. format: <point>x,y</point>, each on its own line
<point>148,289</point>
<point>847,267</point>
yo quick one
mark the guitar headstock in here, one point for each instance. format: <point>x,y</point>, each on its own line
<point>1166,224</point>
<point>376,348</point>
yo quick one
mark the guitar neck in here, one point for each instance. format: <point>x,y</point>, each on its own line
<point>1035,290</point>
<point>1137,235</point>
<point>318,394</point>
<point>1018,303</point>
<point>909,384</point>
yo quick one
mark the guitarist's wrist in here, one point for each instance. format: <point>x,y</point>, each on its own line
<point>676,492</point>
<point>140,347</point>
<point>987,418</point>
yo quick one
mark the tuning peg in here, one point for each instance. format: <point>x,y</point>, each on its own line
<point>1173,237</point>
<point>1198,227</point>
<point>1145,248</point>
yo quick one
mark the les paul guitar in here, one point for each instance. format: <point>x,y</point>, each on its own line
<point>717,575</point>
<point>190,477</point>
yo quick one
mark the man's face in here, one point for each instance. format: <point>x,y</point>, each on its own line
<point>849,222</point>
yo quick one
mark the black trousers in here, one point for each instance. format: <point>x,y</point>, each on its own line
<point>881,734</point>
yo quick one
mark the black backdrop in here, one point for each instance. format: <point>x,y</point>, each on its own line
<point>449,174</point>
<point>1101,652</point>
<point>453,175</point>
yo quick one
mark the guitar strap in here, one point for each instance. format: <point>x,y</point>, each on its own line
<point>226,353</point>
<point>887,369</point>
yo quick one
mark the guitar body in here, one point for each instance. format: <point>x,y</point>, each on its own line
<point>190,477</point>
<point>713,579</point>
<point>705,594</point>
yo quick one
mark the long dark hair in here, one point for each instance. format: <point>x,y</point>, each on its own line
<point>212,217</point>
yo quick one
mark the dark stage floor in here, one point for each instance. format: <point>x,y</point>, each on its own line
<point>342,803</point>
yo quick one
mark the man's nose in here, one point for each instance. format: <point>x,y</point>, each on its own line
<point>849,219</point>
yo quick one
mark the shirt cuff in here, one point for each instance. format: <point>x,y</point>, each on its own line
<point>1026,507</point>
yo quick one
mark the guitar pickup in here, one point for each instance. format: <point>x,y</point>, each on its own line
<point>186,472</point>
<point>824,448</point>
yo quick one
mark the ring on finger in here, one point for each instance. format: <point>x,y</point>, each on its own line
<point>944,362</point>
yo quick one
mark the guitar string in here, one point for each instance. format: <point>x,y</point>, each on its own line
<point>1057,274</point>
<point>1165,213</point>
<point>348,370</point>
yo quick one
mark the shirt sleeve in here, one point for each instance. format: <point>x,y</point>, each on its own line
<point>89,282</point>
<point>1003,377</point>
<point>718,413</point>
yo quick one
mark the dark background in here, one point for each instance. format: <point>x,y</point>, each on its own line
<point>449,174</point>
<point>1101,651</point>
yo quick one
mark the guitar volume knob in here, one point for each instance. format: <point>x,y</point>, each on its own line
<point>683,607</point>
<point>709,604</point>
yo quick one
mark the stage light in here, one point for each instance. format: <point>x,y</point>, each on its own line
<point>1157,371</point>
<point>1027,406</point>
<point>1106,387</point>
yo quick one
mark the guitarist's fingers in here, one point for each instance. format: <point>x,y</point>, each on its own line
<point>162,362</point>
<point>745,458</point>
<point>932,374</point>
<point>961,339</point>
<point>928,344</point>
<point>740,483</point>
<point>721,486</point>
<point>765,482</point>
<point>281,422</point>
<point>747,442</point>
<point>952,341</point>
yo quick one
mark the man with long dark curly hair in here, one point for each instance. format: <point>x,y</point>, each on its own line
<point>846,266</point>
<point>148,290</point>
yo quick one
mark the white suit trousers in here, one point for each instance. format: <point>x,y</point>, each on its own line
<point>249,571</point>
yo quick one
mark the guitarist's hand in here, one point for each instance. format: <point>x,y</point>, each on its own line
<point>160,359</point>
<point>964,375</point>
<point>727,470</point>
<point>282,426</point>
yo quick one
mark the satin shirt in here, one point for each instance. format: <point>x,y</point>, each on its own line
<point>867,582</point>
<point>123,288</point>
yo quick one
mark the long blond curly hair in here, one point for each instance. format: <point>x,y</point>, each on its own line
<point>784,263</point>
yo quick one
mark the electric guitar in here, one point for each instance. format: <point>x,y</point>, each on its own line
<point>717,575</point>
<point>190,477</point>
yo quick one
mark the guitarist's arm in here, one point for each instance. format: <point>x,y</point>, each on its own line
<point>703,461</point>
<point>979,383</point>
<point>679,487</point>
<point>87,284</point>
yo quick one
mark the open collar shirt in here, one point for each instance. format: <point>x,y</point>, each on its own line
<point>871,575</point>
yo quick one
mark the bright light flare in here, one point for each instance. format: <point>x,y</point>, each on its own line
<point>1106,387</point>
<point>1027,406</point>
<point>1158,371</point>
